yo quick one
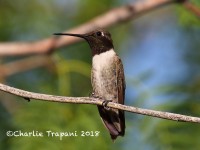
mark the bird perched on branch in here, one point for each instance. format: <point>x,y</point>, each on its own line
<point>107,77</point>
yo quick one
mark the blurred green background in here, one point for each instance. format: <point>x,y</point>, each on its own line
<point>161,57</point>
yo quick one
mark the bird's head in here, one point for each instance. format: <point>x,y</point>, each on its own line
<point>99,40</point>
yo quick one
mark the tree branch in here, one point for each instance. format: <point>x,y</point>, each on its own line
<point>110,18</point>
<point>87,100</point>
<point>192,8</point>
<point>25,64</point>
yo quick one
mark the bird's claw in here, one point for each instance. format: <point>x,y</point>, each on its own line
<point>105,103</point>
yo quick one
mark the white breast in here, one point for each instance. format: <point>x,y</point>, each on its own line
<point>100,64</point>
<point>102,60</point>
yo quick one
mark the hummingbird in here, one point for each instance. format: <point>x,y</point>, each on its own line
<point>107,78</point>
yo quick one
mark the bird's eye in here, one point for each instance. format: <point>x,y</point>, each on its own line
<point>99,33</point>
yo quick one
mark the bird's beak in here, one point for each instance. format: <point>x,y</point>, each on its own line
<point>70,34</point>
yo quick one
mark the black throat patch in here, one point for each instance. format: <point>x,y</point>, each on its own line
<point>100,41</point>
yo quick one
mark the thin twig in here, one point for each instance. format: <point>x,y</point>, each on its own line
<point>87,100</point>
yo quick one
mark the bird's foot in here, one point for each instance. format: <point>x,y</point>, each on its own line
<point>105,103</point>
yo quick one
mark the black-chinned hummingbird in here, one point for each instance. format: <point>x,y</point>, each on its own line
<point>107,77</point>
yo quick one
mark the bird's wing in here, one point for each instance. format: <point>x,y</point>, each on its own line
<point>121,86</point>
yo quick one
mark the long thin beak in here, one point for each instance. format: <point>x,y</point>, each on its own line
<point>70,34</point>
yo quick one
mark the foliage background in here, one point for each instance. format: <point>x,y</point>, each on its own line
<point>160,51</point>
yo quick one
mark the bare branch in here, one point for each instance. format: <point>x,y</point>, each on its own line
<point>110,18</point>
<point>25,64</point>
<point>87,100</point>
<point>192,8</point>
